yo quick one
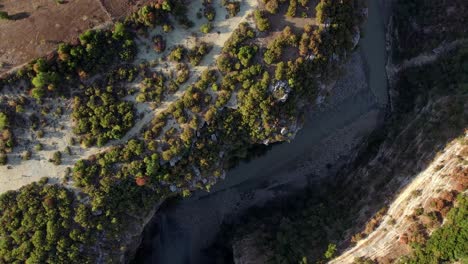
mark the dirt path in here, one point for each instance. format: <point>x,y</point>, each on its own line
<point>430,182</point>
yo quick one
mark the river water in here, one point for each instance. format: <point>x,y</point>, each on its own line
<point>181,230</point>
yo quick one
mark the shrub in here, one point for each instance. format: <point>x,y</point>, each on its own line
<point>224,63</point>
<point>292,8</point>
<point>40,134</point>
<point>3,121</point>
<point>206,28</point>
<point>167,28</point>
<point>26,155</point>
<point>159,43</point>
<point>209,13</point>
<point>107,118</point>
<point>38,147</point>
<point>245,54</point>
<point>272,6</point>
<point>177,54</point>
<point>261,21</point>
<point>304,2</point>
<point>196,54</point>
<point>57,158</point>
<point>183,73</point>
<point>3,159</point>
<point>233,7</point>
<point>4,15</point>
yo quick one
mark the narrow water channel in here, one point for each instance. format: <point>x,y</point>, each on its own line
<point>181,230</point>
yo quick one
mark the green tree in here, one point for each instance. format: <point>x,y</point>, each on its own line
<point>4,15</point>
<point>245,54</point>
<point>261,21</point>
<point>292,8</point>
<point>206,28</point>
<point>37,93</point>
<point>331,250</point>
<point>3,121</point>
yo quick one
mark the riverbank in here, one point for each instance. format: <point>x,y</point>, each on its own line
<point>328,137</point>
<point>330,134</point>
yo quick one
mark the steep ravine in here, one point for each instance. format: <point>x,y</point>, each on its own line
<point>412,174</point>
<point>181,230</point>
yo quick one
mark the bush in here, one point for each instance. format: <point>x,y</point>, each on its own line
<point>40,133</point>
<point>26,155</point>
<point>177,54</point>
<point>272,6</point>
<point>206,28</point>
<point>196,54</point>
<point>3,159</point>
<point>245,54</point>
<point>57,158</point>
<point>275,48</point>
<point>209,13</point>
<point>4,15</point>
<point>292,8</point>
<point>224,63</point>
<point>183,73</point>
<point>159,43</point>
<point>304,2</point>
<point>3,121</point>
<point>233,7</point>
<point>261,21</point>
<point>38,147</point>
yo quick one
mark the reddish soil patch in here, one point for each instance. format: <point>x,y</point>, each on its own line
<point>37,26</point>
<point>121,8</point>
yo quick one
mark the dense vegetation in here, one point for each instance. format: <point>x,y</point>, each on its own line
<point>96,50</point>
<point>102,115</point>
<point>449,243</point>
<point>40,224</point>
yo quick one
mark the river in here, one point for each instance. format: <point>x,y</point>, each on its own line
<point>181,230</point>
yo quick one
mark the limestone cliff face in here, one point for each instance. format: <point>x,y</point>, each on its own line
<point>409,173</point>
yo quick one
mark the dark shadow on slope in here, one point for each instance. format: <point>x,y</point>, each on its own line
<point>19,16</point>
<point>431,114</point>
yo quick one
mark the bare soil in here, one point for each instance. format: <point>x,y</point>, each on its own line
<point>36,27</point>
<point>120,8</point>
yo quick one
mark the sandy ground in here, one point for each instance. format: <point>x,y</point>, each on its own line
<point>430,182</point>
<point>56,137</point>
<point>20,173</point>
